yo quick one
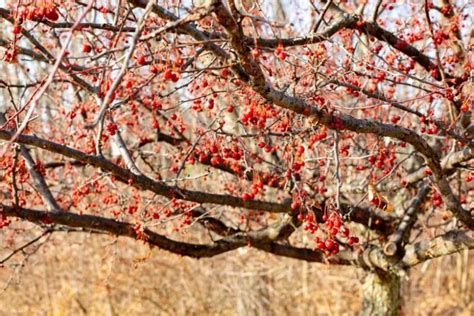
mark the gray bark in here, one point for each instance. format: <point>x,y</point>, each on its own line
<point>381,294</point>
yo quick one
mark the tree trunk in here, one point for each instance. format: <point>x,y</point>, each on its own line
<point>381,294</point>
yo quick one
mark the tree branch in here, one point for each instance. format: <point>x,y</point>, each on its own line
<point>451,242</point>
<point>146,183</point>
<point>393,246</point>
<point>338,121</point>
<point>359,215</point>
<point>117,228</point>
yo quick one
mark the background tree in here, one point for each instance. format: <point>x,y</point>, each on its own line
<point>342,134</point>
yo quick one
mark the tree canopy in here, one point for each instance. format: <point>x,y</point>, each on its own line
<point>336,132</point>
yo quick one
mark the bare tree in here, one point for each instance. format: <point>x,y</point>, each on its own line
<point>350,143</point>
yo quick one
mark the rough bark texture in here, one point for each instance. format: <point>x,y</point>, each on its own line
<point>381,294</point>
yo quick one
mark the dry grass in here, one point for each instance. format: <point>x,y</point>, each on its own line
<point>81,274</point>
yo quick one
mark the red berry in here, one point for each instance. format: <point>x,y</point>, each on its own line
<point>395,119</point>
<point>216,160</point>
<point>464,107</point>
<point>329,244</point>
<point>154,69</point>
<point>168,75</point>
<point>300,150</point>
<point>112,128</point>
<point>86,48</point>
<point>211,104</point>
<point>141,60</point>
<point>174,77</point>
<point>247,196</point>
<point>333,231</point>
<point>225,73</point>
<point>16,29</point>
<point>255,53</point>
<point>214,149</point>
<point>295,204</point>
<point>52,14</point>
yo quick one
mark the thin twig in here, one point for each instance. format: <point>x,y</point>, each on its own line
<point>31,242</point>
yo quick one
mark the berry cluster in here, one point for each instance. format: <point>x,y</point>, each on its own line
<point>235,152</point>
<point>317,137</point>
<point>256,188</point>
<point>11,55</point>
<point>280,53</point>
<point>112,128</point>
<point>170,76</point>
<point>436,199</point>
<point>310,222</point>
<point>4,221</point>
<point>432,128</point>
<point>334,226</point>
<point>44,9</point>
<point>254,117</point>
<point>385,159</point>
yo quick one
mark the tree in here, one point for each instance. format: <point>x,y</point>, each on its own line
<point>351,125</point>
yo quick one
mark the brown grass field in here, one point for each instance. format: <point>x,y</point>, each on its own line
<point>82,274</point>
